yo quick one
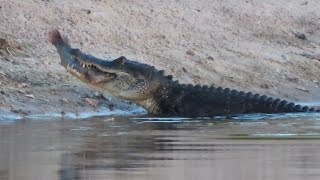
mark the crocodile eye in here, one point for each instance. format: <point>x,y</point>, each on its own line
<point>120,61</point>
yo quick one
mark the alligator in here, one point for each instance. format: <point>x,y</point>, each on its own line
<point>159,94</point>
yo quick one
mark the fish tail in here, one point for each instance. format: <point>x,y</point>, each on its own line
<point>55,37</point>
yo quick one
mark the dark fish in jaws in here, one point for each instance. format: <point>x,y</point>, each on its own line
<point>72,64</point>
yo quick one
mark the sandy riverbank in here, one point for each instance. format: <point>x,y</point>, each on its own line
<point>269,47</point>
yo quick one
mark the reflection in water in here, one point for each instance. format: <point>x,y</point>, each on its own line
<point>145,148</point>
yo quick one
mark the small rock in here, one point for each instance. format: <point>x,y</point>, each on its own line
<point>184,69</point>
<point>300,35</point>
<point>285,57</point>
<point>190,52</point>
<point>20,111</point>
<point>210,58</point>
<point>102,96</point>
<point>17,63</point>
<point>64,100</point>
<point>22,91</point>
<point>92,102</point>
<point>3,43</point>
<point>130,102</point>
<point>53,92</point>
<point>86,96</point>
<point>108,98</point>
<point>264,86</point>
<point>23,85</point>
<point>311,56</point>
<point>7,59</point>
<point>96,94</point>
<point>88,11</point>
<point>304,3</point>
<point>30,96</point>
<point>293,79</point>
<point>303,89</point>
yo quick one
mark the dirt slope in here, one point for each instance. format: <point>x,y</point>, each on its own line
<point>266,47</point>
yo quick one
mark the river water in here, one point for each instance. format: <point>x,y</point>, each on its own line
<point>141,148</point>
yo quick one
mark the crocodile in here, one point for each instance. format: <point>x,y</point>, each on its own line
<point>158,93</point>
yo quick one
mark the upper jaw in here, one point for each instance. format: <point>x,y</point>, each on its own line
<point>73,65</point>
<point>88,60</point>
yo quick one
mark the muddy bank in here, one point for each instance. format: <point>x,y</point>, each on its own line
<point>269,47</point>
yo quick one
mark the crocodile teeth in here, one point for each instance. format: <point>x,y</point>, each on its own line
<point>83,65</point>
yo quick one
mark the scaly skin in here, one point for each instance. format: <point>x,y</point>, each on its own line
<point>148,87</point>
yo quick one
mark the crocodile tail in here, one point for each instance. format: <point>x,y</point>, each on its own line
<point>284,106</point>
<point>55,37</point>
<point>265,104</point>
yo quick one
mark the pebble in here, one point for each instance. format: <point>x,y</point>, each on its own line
<point>30,96</point>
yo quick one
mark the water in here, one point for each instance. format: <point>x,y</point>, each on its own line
<point>242,147</point>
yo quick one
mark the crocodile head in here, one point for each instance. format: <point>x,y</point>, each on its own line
<point>121,77</point>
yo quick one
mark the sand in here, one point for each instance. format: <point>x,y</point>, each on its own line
<point>268,47</point>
